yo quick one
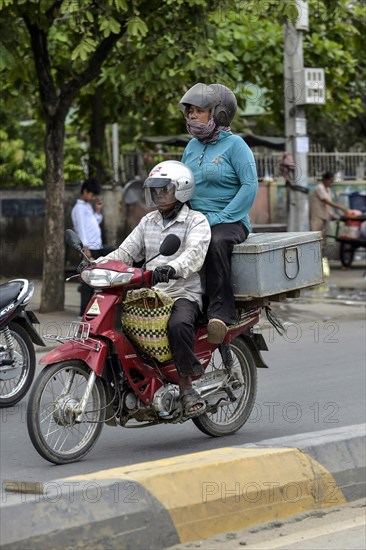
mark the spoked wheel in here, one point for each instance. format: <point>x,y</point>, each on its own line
<point>347,253</point>
<point>55,428</point>
<point>231,415</point>
<point>16,369</point>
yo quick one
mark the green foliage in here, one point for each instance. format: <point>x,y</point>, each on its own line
<point>22,160</point>
<point>19,166</point>
<point>22,157</point>
<point>86,47</point>
<point>136,27</point>
<point>336,42</point>
<point>166,46</point>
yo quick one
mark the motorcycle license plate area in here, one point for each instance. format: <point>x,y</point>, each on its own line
<point>267,264</point>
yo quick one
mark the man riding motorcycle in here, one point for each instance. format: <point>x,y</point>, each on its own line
<point>169,187</point>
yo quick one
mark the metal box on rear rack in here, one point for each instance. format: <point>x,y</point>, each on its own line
<point>276,265</point>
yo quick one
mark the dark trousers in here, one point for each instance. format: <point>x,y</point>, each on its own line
<point>221,303</point>
<point>85,290</point>
<point>181,334</point>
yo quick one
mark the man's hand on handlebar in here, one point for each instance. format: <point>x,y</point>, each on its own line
<point>83,265</point>
<point>162,274</point>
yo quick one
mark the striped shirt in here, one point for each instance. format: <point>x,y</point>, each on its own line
<point>144,242</point>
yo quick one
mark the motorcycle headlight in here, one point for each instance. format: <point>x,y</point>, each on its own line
<point>102,278</point>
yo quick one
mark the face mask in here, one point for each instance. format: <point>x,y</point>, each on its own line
<point>201,130</point>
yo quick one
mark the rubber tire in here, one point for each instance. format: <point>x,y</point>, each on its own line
<point>24,336</point>
<point>33,414</point>
<point>347,252</point>
<point>205,424</point>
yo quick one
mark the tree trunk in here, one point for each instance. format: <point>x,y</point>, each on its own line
<point>53,288</point>
<point>97,137</point>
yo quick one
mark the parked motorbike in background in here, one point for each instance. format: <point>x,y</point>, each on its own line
<point>17,335</point>
<point>97,376</point>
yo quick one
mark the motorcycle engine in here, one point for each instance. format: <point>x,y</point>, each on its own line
<point>131,402</point>
<point>166,400</point>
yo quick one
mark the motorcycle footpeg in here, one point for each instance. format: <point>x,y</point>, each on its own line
<point>176,414</point>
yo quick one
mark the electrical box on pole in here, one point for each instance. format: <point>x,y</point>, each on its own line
<point>302,20</point>
<point>303,86</point>
<point>310,86</point>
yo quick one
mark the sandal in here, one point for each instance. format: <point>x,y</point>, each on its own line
<point>216,331</point>
<point>189,399</point>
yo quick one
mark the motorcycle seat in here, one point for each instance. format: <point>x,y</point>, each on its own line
<point>9,292</point>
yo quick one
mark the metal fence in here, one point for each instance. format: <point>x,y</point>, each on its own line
<point>346,166</point>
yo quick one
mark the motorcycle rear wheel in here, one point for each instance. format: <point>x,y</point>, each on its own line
<point>230,417</point>
<point>52,426</point>
<point>12,390</point>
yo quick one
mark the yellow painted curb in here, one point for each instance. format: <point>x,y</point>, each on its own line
<point>231,488</point>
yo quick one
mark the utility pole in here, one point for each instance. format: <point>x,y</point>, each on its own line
<point>301,86</point>
<point>115,153</point>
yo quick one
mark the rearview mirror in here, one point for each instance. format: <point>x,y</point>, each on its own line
<point>170,245</point>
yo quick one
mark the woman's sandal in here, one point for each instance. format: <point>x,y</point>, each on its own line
<point>189,399</point>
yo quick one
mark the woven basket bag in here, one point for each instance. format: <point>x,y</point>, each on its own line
<point>145,316</point>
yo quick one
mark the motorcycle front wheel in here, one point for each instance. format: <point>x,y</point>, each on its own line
<point>53,425</point>
<point>232,415</point>
<point>16,378</point>
<point>347,253</point>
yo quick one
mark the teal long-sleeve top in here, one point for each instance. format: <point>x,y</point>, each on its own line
<point>226,178</point>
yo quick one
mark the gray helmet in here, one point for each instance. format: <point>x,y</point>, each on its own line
<point>216,97</point>
<point>170,174</point>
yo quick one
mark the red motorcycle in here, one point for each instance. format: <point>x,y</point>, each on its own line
<point>99,377</point>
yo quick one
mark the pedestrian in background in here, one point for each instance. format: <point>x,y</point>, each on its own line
<point>321,213</point>
<point>86,217</point>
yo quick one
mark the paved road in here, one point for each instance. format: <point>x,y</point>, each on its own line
<point>316,381</point>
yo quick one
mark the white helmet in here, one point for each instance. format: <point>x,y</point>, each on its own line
<point>168,175</point>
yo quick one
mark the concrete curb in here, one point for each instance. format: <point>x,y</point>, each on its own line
<point>176,500</point>
<point>340,450</point>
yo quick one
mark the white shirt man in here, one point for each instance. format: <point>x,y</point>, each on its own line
<point>86,223</point>
<point>85,219</point>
